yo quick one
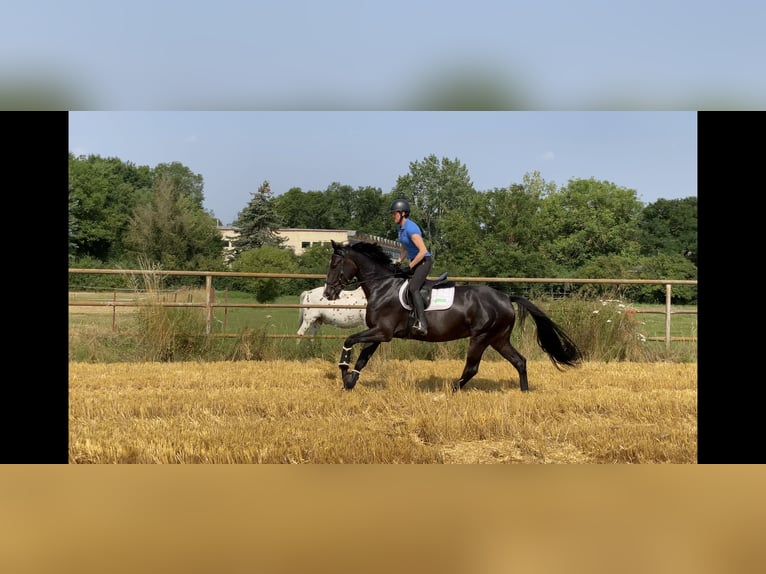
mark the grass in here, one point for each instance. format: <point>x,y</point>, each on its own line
<point>606,332</point>
<point>651,319</point>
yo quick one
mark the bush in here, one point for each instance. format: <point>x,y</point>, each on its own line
<point>95,281</point>
<point>266,259</point>
<point>604,330</point>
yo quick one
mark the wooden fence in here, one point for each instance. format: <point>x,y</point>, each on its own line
<point>210,304</point>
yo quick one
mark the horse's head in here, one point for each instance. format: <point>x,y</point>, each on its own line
<point>342,270</point>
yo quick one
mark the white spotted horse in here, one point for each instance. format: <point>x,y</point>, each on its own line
<point>311,318</point>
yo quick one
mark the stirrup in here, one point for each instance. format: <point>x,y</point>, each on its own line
<point>419,328</point>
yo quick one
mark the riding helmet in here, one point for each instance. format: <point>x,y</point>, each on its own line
<point>401,205</point>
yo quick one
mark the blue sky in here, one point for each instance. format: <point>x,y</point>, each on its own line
<point>654,153</point>
<point>347,54</point>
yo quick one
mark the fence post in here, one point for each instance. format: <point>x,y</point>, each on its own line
<point>209,300</point>
<point>225,309</point>
<point>668,288</point>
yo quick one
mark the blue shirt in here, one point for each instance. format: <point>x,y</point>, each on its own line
<point>406,232</point>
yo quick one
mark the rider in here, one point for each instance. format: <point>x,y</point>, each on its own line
<point>413,248</point>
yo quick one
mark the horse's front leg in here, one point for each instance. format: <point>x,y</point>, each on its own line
<point>371,339</point>
<point>345,358</point>
<point>350,379</point>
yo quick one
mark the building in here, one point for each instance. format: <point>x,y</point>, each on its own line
<point>298,240</point>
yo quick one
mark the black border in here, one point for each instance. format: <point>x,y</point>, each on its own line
<point>729,346</point>
<point>35,425</point>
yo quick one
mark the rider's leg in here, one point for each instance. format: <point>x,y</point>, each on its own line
<point>420,327</point>
<point>419,275</point>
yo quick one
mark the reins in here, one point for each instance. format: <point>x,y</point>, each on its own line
<point>343,282</point>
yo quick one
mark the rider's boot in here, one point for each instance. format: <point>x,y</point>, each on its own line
<point>420,327</point>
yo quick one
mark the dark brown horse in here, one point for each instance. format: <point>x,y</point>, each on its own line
<point>479,312</point>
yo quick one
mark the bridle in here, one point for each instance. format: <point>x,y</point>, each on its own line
<point>340,281</point>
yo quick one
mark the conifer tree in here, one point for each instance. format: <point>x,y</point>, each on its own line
<point>257,222</point>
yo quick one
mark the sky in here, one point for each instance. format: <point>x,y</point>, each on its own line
<point>653,153</point>
<point>394,55</point>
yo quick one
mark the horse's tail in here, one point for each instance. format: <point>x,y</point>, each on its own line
<point>552,339</point>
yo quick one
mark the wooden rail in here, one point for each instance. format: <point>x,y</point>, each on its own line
<point>210,303</point>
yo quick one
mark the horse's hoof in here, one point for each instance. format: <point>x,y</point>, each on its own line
<point>349,380</point>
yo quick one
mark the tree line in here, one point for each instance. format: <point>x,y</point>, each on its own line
<point>124,216</point>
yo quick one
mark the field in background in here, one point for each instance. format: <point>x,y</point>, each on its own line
<point>400,412</point>
<point>97,334</point>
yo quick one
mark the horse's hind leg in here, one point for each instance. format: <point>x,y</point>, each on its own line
<point>476,349</point>
<point>508,352</point>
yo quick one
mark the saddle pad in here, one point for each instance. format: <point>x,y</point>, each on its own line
<point>441,298</point>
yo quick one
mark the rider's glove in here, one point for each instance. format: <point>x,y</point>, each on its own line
<point>405,268</point>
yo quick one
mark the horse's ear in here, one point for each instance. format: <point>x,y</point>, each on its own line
<point>334,245</point>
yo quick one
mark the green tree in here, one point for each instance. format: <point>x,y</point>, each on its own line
<point>185,182</point>
<point>586,219</point>
<point>296,209</point>
<point>370,211</point>
<point>103,193</point>
<point>669,226</point>
<point>338,207</point>
<point>610,266</point>
<point>173,231</point>
<point>513,212</point>
<point>72,224</point>
<point>314,259</point>
<point>476,247</point>
<point>341,206</point>
<point>493,234</point>
<point>462,248</point>
<point>257,222</point>
<point>666,266</point>
<point>434,188</point>
<point>266,259</point>
<point>305,209</point>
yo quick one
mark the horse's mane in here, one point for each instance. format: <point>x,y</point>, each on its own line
<point>375,252</point>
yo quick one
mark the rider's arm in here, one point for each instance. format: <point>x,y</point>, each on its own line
<point>418,241</point>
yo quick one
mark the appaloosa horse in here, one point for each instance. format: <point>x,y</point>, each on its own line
<point>311,318</point>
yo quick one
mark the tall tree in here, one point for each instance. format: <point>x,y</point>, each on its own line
<point>669,226</point>
<point>586,219</point>
<point>341,206</point>
<point>434,188</point>
<point>491,236</point>
<point>184,181</point>
<point>509,214</point>
<point>290,209</point>
<point>103,193</point>
<point>370,211</point>
<point>257,222</point>
<point>72,224</point>
<point>173,231</point>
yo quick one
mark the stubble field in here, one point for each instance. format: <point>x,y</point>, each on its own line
<point>399,412</point>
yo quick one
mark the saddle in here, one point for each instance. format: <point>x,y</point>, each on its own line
<point>426,291</point>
